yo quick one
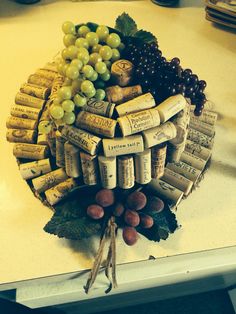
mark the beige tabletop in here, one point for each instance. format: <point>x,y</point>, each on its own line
<point>30,37</point>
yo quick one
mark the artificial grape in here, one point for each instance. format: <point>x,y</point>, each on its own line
<point>102,32</point>
<point>105,76</point>
<point>68,27</point>
<point>136,200</point>
<point>94,58</point>
<point>69,117</point>
<point>92,38</point>
<point>64,92</point>
<point>202,84</point>
<point>100,67</point>
<point>118,210</point>
<point>105,52</point>
<point>72,51</point>
<point>131,217</point>
<point>69,40</point>
<point>100,84</point>
<point>95,211</point>
<point>96,48</point>
<point>105,197</point>
<point>77,63</point>
<point>87,86</point>
<point>88,71</point>
<point>83,30</point>
<point>44,127</point>
<point>80,100</point>
<point>130,235</point>
<point>100,94</point>
<point>72,72</point>
<point>113,40</point>
<point>91,94</point>
<point>56,112</point>
<point>94,76</point>
<point>155,204</point>
<point>81,43</point>
<point>68,105</point>
<point>146,221</point>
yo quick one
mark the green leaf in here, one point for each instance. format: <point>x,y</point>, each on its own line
<point>145,36</point>
<point>126,25</point>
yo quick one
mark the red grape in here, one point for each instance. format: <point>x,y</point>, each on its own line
<point>118,209</point>
<point>95,211</point>
<point>146,221</point>
<point>105,197</point>
<point>130,235</point>
<point>156,204</point>
<point>136,200</point>
<point>131,218</point>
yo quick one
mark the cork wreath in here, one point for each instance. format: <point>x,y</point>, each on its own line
<point>111,134</point>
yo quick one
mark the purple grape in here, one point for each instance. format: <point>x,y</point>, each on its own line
<point>105,197</point>
<point>130,235</point>
<point>95,211</point>
<point>131,218</point>
<point>146,221</point>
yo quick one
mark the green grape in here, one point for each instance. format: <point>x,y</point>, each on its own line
<point>83,30</point>
<point>68,105</point>
<point>115,54</point>
<point>121,47</point>
<point>108,64</point>
<point>100,67</point>
<point>106,76</point>
<point>75,87</point>
<point>80,100</point>
<point>65,67</point>
<point>69,118</point>
<point>77,63</point>
<point>83,55</point>
<point>102,32</point>
<point>60,67</point>
<point>99,84</point>
<point>94,76</point>
<point>56,112</point>
<point>92,38</point>
<point>65,54</point>
<point>81,43</point>
<point>113,40</point>
<point>105,52</point>
<point>44,127</point>
<point>67,82</point>
<point>56,101</point>
<point>68,27</point>
<point>69,40</point>
<point>87,71</point>
<point>64,93</point>
<point>100,94</point>
<point>72,72</point>
<point>72,51</point>
<point>87,86</point>
<point>94,58</point>
<point>91,93</point>
<point>96,48</point>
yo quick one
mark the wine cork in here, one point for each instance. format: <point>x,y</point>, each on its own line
<point>175,179</point>
<point>72,160</point>
<point>159,134</point>
<point>25,112</point>
<point>139,121</point>
<point>126,172</point>
<point>51,66</point>
<point>49,180</point>
<point>118,94</point>
<point>50,75</point>
<point>29,101</point>
<point>107,168</point>
<point>207,116</point>
<point>35,90</point>
<point>89,165</point>
<point>85,140</point>
<point>60,191</point>
<point>34,169</point>
<point>142,163</point>
<point>60,153</point>
<point>181,122</point>
<point>51,140</point>
<point>42,139</point>
<point>99,107</point>
<point>165,190</point>
<point>21,123</point>
<point>45,116</point>
<point>21,136</point>
<point>121,146</point>
<point>30,151</point>
<point>193,160</point>
<point>56,85</point>
<point>185,170</point>
<point>158,158</point>
<point>200,138</point>
<point>97,124</point>
<point>139,103</point>
<point>171,106</point>
<point>175,152</point>
<point>39,80</point>
<point>121,72</point>
<point>201,126</point>
<point>198,150</point>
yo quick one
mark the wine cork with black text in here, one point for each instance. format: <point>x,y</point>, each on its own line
<point>39,80</point>
<point>125,172</point>
<point>107,168</point>
<point>35,90</point>
<point>200,138</point>
<point>21,136</point>
<point>201,126</point>
<point>158,158</point>
<point>185,170</point>
<point>121,72</point>
<point>48,74</point>
<point>117,94</point>
<point>56,85</point>
<point>99,107</point>
<point>60,191</point>
<point>139,103</point>
<point>25,112</point>
<point>30,151</point>
<point>142,163</point>
<point>198,150</point>
<point>207,116</point>
<point>89,165</point>
<point>72,160</point>
<point>60,152</point>
<point>21,123</point>
<point>29,101</point>
<point>178,181</point>
<point>34,169</point>
<point>49,180</point>
<point>51,140</point>
<point>171,106</point>
<point>193,160</point>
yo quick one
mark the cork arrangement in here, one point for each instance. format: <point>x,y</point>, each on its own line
<point>141,154</point>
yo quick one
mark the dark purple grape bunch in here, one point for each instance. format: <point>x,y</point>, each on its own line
<point>163,78</point>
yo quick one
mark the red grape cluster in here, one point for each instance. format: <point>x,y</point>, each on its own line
<point>164,78</point>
